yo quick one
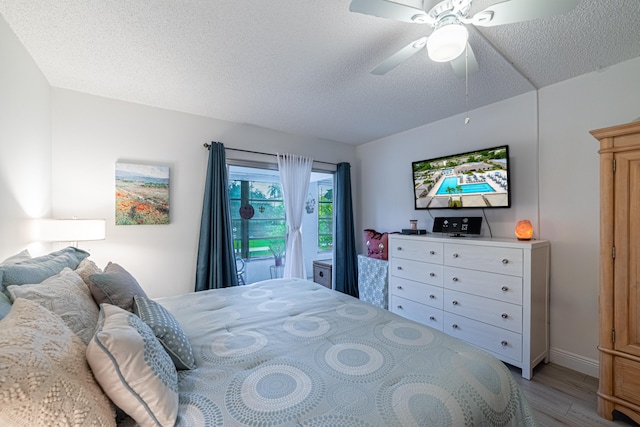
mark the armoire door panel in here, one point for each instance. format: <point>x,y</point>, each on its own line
<point>627,261</point>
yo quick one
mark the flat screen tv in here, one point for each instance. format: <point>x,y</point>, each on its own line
<point>477,179</point>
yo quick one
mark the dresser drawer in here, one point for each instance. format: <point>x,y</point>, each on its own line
<point>503,343</point>
<point>491,285</point>
<point>417,312</point>
<point>484,258</point>
<point>496,313</point>
<point>415,270</point>
<point>416,249</point>
<point>415,291</point>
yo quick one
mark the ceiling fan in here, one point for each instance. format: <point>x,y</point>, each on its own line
<point>448,18</point>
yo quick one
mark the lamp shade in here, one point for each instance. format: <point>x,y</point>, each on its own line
<point>69,230</point>
<point>447,42</point>
<point>524,230</point>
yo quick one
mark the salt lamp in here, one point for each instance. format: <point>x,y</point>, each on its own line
<point>524,230</point>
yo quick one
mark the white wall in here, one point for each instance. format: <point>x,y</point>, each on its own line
<point>569,198</point>
<point>25,144</point>
<point>90,134</point>
<point>386,192</point>
<point>567,180</point>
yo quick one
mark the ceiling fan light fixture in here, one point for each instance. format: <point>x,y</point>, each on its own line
<point>447,42</point>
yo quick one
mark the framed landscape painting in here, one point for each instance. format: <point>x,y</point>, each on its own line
<point>142,194</point>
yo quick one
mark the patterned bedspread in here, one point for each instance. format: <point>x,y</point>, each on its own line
<point>289,352</point>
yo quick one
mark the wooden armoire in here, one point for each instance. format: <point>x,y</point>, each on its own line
<point>619,300</point>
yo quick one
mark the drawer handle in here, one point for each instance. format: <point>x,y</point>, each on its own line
<point>432,318</point>
<point>454,326</point>
<point>504,315</point>
<point>398,287</point>
<point>505,261</point>
<point>399,248</point>
<point>505,289</point>
<point>399,268</point>
<point>321,273</point>
<point>454,302</point>
<point>504,343</point>
<point>432,296</point>
<point>432,274</point>
<point>456,255</point>
<point>455,279</point>
<point>399,307</point>
<point>432,252</point>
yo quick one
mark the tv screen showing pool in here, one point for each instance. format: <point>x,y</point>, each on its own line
<point>477,179</point>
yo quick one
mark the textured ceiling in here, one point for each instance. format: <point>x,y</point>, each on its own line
<point>302,66</point>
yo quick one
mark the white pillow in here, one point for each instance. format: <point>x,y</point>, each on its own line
<point>68,296</point>
<point>133,368</point>
<point>44,376</point>
<point>23,255</point>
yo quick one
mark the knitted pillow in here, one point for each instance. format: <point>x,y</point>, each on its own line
<point>44,376</point>
<point>66,295</point>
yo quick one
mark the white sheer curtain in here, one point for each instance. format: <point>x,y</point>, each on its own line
<point>295,172</point>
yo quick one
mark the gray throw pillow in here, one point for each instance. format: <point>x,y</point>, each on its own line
<point>167,330</point>
<point>115,286</point>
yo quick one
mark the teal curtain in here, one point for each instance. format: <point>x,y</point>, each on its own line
<point>346,258</point>
<point>216,265</point>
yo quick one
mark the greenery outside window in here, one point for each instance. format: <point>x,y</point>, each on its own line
<point>325,215</point>
<point>257,217</point>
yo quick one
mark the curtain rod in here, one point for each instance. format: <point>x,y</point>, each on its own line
<point>208,146</point>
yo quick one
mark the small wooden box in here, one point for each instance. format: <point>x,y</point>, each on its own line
<point>322,272</point>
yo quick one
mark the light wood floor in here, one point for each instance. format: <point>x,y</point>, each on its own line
<point>560,396</point>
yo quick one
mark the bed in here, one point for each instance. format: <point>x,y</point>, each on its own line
<point>283,352</point>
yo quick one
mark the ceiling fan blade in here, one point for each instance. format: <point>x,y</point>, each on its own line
<point>400,56</point>
<point>465,65</point>
<point>521,10</point>
<point>389,10</point>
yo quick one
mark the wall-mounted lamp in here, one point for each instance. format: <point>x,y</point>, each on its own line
<point>524,230</point>
<point>69,230</point>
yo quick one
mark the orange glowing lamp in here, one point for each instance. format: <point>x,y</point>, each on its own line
<point>524,230</point>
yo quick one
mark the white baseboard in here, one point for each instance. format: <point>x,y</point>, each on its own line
<point>574,361</point>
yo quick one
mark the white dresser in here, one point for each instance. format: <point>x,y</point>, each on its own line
<point>492,293</point>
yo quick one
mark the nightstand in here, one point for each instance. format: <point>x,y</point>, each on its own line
<point>322,272</point>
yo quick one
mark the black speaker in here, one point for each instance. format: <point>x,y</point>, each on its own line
<point>457,225</point>
<point>414,231</point>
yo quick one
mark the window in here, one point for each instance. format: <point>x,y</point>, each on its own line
<point>257,212</point>
<point>325,215</point>
<point>259,223</point>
